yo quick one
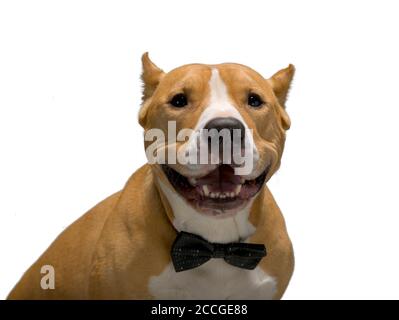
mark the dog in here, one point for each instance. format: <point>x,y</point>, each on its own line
<point>186,230</point>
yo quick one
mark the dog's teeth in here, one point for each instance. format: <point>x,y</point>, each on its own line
<point>205,189</point>
<point>242,180</point>
<point>192,181</point>
<point>221,195</point>
<point>238,189</point>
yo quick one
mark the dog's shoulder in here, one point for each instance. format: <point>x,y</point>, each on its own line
<point>69,256</point>
<point>272,231</point>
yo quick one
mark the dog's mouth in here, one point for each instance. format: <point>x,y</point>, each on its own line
<point>220,191</point>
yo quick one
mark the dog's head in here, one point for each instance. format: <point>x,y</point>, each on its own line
<point>194,108</point>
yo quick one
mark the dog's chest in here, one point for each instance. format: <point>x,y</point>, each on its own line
<point>213,280</point>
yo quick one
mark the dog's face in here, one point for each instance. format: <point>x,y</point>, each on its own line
<point>227,98</point>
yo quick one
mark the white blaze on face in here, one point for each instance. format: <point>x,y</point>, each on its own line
<point>220,105</point>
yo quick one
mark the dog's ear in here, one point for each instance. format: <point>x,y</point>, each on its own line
<point>151,76</point>
<point>281,83</point>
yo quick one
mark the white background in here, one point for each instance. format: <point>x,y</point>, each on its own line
<point>70,93</point>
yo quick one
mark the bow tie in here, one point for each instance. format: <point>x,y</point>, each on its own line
<point>190,251</point>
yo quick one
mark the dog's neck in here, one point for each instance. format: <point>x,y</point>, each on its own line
<point>186,218</point>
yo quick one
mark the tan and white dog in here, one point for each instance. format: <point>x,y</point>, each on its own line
<point>121,248</point>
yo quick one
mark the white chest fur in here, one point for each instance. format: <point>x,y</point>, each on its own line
<point>231,229</point>
<point>213,280</point>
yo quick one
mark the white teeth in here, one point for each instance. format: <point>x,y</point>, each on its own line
<point>192,181</point>
<point>206,190</point>
<point>221,195</point>
<point>242,180</point>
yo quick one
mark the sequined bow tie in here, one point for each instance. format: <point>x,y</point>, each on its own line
<point>190,251</point>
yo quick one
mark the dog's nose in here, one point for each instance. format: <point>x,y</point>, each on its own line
<point>228,123</point>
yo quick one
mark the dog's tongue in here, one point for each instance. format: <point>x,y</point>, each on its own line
<point>222,179</point>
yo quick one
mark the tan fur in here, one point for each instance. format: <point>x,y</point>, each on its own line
<point>113,250</point>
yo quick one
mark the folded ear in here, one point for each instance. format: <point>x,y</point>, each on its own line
<point>281,83</point>
<point>151,76</point>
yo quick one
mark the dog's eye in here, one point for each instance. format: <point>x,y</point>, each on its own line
<point>254,100</point>
<point>179,100</point>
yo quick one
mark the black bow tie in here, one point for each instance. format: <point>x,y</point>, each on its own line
<point>190,251</point>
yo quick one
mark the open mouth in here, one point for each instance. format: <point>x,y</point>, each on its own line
<point>220,191</point>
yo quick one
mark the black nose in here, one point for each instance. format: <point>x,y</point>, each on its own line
<point>228,123</point>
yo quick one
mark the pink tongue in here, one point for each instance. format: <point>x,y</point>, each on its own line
<point>222,179</point>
